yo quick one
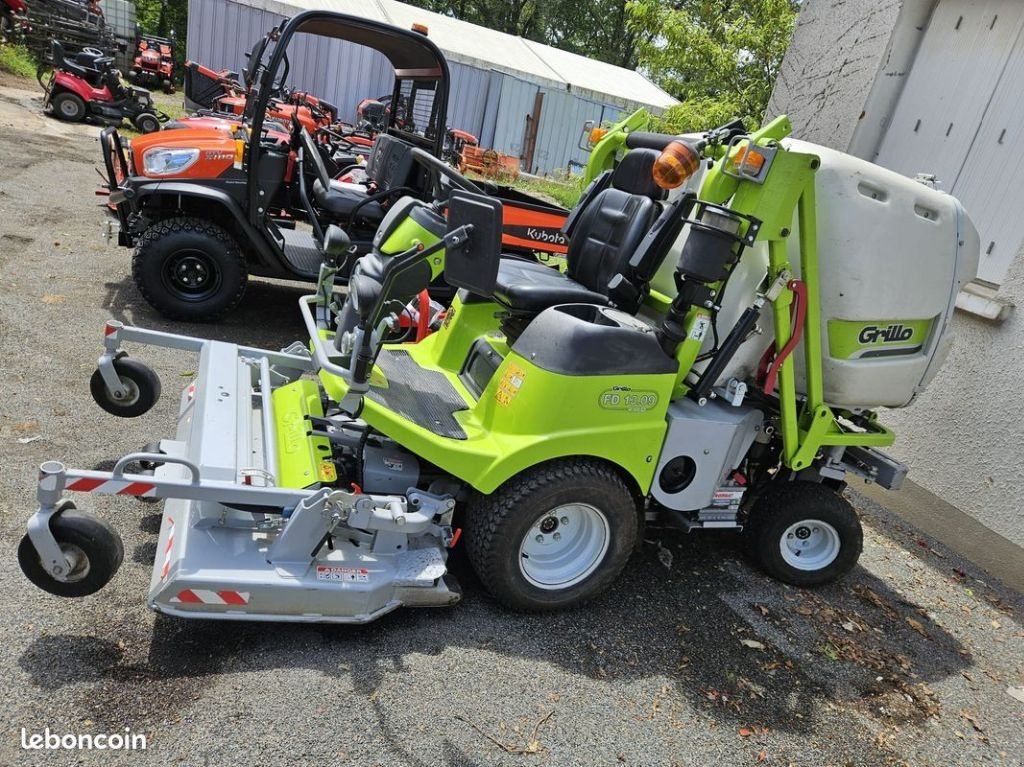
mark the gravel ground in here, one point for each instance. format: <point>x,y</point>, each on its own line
<point>916,658</point>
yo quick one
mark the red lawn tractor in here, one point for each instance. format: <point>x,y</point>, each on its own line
<point>154,62</point>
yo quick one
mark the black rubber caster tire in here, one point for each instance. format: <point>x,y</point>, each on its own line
<point>189,269</point>
<point>146,123</point>
<point>68,106</point>
<point>791,515</point>
<point>143,385</point>
<point>97,546</point>
<point>499,528</point>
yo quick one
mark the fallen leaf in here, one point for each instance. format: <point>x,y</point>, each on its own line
<point>753,644</point>
<point>850,626</point>
<point>762,755</point>
<point>762,609</point>
<point>21,427</point>
<point>26,440</point>
<point>916,625</point>
<point>997,625</point>
<point>746,732</point>
<point>971,719</point>
<point>959,734</point>
<point>51,299</point>
<point>664,556</point>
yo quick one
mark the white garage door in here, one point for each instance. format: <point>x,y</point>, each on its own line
<point>961,117</point>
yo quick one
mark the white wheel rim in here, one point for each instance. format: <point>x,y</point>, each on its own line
<point>809,544</point>
<point>78,562</point>
<point>564,546</point>
<point>133,393</point>
<point>68,108</point>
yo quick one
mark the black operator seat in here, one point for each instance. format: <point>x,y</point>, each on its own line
<point>388,167</point>
<point>605,235</point>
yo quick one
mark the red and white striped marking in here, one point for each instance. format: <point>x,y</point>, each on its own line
<point>208,597</point>
<point>112,487</point>
<point>167,549</point>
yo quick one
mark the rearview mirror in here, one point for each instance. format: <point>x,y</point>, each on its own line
<point>471,262</point>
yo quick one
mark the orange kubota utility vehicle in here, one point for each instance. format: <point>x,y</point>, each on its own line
<point>205,208</point>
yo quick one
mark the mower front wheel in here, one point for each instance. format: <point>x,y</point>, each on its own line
<point>92,547</point>
<point>68,106</point>
<point>189,269</point>
<point>804,533</point>
<point>142,385</point>
<point>554,536</point>
<point>146,122</point>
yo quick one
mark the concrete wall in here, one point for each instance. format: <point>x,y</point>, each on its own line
<point>964,437</point>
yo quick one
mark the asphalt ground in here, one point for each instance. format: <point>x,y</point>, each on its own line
<point>693,658</point>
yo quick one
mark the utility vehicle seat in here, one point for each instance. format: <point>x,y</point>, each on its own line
<point>389,166</point>
<point>606,234</point>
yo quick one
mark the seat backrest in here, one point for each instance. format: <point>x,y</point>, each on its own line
<point>635,174</point>
<point>390,163</point>
<point>607,233</point>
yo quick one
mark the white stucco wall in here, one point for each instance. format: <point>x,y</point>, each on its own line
<point>964,436</point>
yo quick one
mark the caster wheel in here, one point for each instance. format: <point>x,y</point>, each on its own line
<point>804,534</point>
<point>93,548</point>
<point>143,387</point>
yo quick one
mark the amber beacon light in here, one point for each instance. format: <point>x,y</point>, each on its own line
<point>677,163</point>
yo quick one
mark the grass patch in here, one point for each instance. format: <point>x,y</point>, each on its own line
<point>16,60</point>
<point>565,193</point>
<point>172,104</point>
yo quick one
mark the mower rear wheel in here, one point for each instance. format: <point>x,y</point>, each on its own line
<point>146,122</point>
<point>554,536</point>
<point>142,383</point>
<point>68,106</point>
<point>189,269</point>
<point>804,533</point>
<point>93,548</point>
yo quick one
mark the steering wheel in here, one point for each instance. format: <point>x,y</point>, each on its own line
<point>93,52</point>
<point>438,168</point>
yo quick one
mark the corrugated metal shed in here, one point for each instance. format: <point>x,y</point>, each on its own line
<point>495,77</point>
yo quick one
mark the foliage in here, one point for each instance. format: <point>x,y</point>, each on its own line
<point>161,17</point>
<point>596,28</point>
<point>719,57</point>
<point>566,194</point>
<point>17,60</point>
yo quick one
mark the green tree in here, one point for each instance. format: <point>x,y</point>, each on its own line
<point>718,57</point>
<point>595,28</point>
<point>161,17</point>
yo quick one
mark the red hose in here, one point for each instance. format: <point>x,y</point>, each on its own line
<point>797,315</point>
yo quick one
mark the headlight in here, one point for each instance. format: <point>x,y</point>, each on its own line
<point>160,161</point>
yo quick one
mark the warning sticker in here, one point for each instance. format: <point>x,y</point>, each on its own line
<point>700,327</point>
<point>342,574</point>
<point>509,385</point>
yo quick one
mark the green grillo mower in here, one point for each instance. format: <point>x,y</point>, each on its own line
<point>734,311</point>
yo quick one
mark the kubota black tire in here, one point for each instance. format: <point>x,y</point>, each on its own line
<point>68,106</point>
<point>95,544</point>
<point>567,498</point>
<point>804,533</point>
<point>146,122</point>
<point>189,269</point>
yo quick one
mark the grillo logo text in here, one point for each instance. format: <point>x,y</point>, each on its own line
<point>892,334</point>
